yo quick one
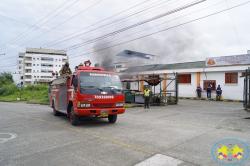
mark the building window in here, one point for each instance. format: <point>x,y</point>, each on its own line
<point>34,71</point>
<point>34,76</point>
<point>184,78</point>
<point>207,82</point>
<point>47,59</point>
<point>59,65</point>
<point>118,66</point>
<point>34,64</point>
<point>37,64</point>
<point>231,78</point>
<point>46,65</point>
<point>37,58</point>
<point>37,70</point>
<point>34,58</point>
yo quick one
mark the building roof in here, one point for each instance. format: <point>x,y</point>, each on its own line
<point>45,51</point>
<point>186,65</point>
<point>134,54</point>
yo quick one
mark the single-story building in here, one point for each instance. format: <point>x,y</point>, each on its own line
<point>225,71</point>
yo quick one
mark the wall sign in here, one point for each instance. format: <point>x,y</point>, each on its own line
<point>228,60</point>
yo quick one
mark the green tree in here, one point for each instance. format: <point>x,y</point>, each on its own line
<point>5,79</point>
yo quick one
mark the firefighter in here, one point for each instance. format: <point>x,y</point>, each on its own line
<point>146,94</point>
<point>218,93</point>
<point>76,68</point>
<point>81,64</point>
<point>65,70</point>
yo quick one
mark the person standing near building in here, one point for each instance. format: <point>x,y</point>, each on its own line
<point>199,90</point>
<point>209,90</point>
<point>146,94</point>
<point>218,93</point>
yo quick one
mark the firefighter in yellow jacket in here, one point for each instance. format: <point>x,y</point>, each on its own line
<point>146,94</point>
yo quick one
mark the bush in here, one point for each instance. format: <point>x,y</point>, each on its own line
<point>8,90</point>
<point>30,93</point>
<point>38,87</point>
<point>5,79</point>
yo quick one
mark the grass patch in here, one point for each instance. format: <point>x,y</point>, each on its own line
<point>37,94</point>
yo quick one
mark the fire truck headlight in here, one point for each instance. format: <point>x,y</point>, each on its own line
<point>119,104</point>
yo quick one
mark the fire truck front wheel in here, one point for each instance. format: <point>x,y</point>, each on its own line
<point>112,118</point>
<point>73,118</point>
<point>55,112</point>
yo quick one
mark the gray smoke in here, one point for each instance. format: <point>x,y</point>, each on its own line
<point>104,58</point>
<point>170,47</point>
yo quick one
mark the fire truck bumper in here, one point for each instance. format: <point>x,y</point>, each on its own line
<point>102,112</point>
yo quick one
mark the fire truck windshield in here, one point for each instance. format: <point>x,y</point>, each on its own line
<point>98,82</point>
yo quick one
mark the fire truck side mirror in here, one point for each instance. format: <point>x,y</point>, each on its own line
<point>75,82</point>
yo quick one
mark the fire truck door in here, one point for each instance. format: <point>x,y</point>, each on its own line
<point>63,98</point>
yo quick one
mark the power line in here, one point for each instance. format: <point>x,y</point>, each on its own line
<point>233,25</point>
<point>13,19</point>
<point>136,24</point>
<point>164,30</point>
<point>68,19</point>
<point>75,34</point>
<point>136,5</point>
<point>137,32</point>
<point>98,22</point>
<point>182,9</point>
<point>44,20</point>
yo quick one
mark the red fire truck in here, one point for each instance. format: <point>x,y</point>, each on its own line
<point>88,92</point>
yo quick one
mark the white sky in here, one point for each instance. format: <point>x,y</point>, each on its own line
<point>223,34</point>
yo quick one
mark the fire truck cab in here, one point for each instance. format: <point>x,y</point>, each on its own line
<point>88,92</point>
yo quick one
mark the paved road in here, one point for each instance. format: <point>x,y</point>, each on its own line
<point>185,132</point>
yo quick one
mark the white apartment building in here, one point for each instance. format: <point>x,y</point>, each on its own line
<point>36,65</point>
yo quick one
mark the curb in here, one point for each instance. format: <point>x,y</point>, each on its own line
<point>223,100</point>
<point>133,105</point>
<point>23,101</point>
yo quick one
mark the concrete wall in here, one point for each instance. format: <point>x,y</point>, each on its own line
<point>230,91</point>
<point>188,90</point>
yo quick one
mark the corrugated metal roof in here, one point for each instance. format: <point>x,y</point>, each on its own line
<point>45,51</point>
<point>133,54</point>
<point>186,65</point>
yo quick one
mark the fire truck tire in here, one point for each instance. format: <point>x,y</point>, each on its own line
<point>55,112</point>
<point>73,118</point>
<point>112,118</point>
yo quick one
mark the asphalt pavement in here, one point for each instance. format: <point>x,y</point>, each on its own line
<point>180,135</point>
